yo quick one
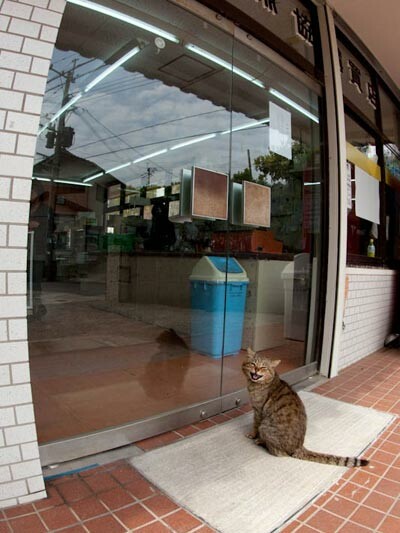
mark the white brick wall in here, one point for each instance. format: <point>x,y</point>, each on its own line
<point>368,311</point>
<point>28,29</point>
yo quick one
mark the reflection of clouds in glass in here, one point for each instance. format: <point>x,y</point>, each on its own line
<point>128,116</point>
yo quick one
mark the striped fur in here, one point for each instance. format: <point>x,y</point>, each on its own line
<point>280,419</point>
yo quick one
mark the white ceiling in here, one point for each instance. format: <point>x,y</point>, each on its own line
<point>377,24</point>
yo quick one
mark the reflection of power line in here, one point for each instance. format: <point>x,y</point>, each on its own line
<point>113,135</point>
<point>157,124</point>
<point>170,139</point>
<point>125,87</point>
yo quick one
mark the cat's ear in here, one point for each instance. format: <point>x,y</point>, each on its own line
<point>250,353</point>
<point>275,363</point>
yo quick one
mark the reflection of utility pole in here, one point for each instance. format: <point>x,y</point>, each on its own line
<point>58,139</point>
<point>249,159</point>
<point>150,171</point>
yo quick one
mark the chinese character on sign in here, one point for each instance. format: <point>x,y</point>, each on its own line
<point>270,5</point>
<point>372,95</point>
<point>303,26</point>
<point>355,75</point>
<point>340,61</point>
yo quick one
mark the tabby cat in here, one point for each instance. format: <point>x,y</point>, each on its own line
<point>279,416</point>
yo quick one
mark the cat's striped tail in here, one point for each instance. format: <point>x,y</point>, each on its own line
<point>328,459</point>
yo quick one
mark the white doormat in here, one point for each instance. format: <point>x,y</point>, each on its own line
<point>237,487</point>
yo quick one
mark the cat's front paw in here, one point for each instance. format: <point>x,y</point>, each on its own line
<point>252,435</point>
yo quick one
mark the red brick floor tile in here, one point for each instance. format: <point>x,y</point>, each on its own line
<point>394,437</point>
<point>290,527</point>
<point>156,527</point>
<point>101,482</point>
<point>74,490</point>
<point>367,517</point>
<point>125,474</point>
<point>206,529</point>
<point>92,471</point>
<point>340,506</point>
<point>383,457</point>
<point>395,510</point>
<point>158,440</point>
<point>389,525</point>
<point>352,527</point>
<point>88,508</point>
<point>389,447</point>
<point>104,524</point>
<point>391,488</point>
<point>364,478</point>
<point>141,489</point>
<point>325,496</point>
<point>307,513</point>
<point>204,424</point>
<point>58,517</point>
<point>4,527</point>
<point>74,529</point>
<point>160,505</point>
<point>353,492</point>
<point>31,523</point>
<point>116,498</point>
<point>219,419</point>
<point>181,521</point>
<point>378,469</point>
<point>378,501</point>
<point>246,408</point>
<point>19,510</point>
<point>187,430</point>
<point>393,474</point>
<point>134,516</point>
<point>234,413</point>
<point>62,479</point>
<point>306,529</point>
<point>53,499</point>
<point>324,522</point>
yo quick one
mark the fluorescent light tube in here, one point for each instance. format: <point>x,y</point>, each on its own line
<point>126,18</point>
<point>111,68</point>
<point>203,53</point>
<point>114,169</point>
<point>148,156</point>
<point>293,104</point>
<point>193,141</point>
<point>94,177</point>
<point>246,126</point>
<point>40,179</point>
<point>70,182</point>
<point>61,111</point>
<point>308,183</point>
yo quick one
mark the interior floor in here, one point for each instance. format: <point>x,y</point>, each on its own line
<point>92,368</point>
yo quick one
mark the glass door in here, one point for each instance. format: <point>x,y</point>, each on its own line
<point>168,233</point>
<point>275,225</point>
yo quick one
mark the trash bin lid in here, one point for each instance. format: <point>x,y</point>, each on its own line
<point>218,269</point>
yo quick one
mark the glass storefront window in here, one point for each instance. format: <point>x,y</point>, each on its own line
<point>363,185</point>
<point>390,118</point>
<point>357,84</point>
<point>391,152</point>
<point>290,21</point>
<point>165,140</point>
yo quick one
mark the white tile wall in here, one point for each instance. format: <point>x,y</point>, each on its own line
<point>28,29</point>
<point>368,312</point>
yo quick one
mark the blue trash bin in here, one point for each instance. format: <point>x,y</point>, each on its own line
<point>218,301</point>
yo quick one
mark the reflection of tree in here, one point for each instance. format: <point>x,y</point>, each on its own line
<point>285,177</point>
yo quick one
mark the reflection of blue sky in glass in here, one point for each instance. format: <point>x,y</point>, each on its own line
<point>128,116</point>
<point>132,113</point>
